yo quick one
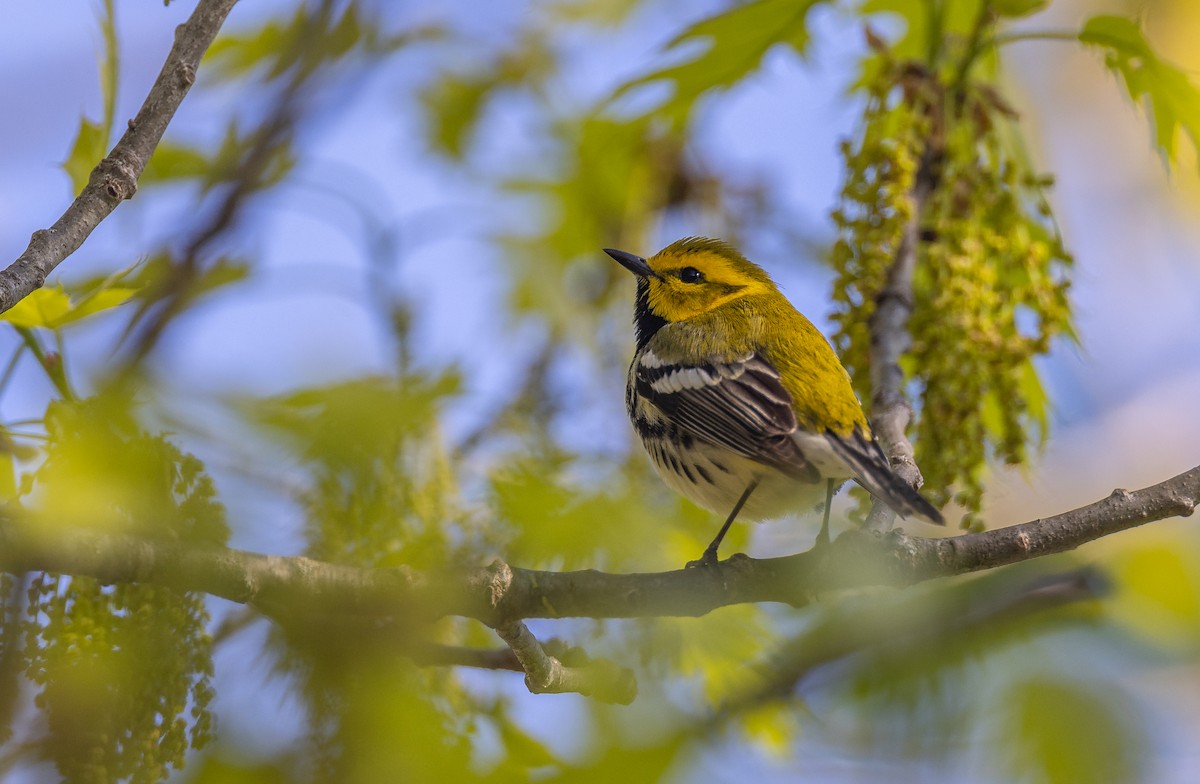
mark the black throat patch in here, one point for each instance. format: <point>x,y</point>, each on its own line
<point>645,321</point>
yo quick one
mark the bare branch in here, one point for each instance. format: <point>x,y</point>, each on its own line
<point>545,674</point>
<point>890,339</point>
<point>500,594</point>
<point>115,178</point>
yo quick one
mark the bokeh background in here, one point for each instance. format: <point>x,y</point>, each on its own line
<point>377,254</point>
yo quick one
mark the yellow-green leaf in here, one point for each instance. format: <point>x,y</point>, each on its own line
<point>1061,733</point>
<point>51,308</point>
<point>105,299</point>
<point>89,149</point>
<point>1170,96</point>
<point>42,308</point>
<point>8,475</point>
<point>1017,7</point>
<point>175,162</point>
<point>454,104</point>
<point>735,43</point>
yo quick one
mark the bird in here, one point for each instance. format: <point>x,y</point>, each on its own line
<point>741,403</point>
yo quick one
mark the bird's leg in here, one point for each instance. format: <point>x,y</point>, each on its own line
<point>823,536</point>
<point>710,553</point>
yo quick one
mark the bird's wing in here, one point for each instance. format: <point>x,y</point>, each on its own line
<point>740,405</point>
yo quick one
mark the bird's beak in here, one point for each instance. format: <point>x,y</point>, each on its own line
<point>635,264</point>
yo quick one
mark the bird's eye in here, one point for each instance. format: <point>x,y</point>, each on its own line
<point>691,275</point>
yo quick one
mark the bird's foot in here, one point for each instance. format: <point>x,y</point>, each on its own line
<point>705,561</point>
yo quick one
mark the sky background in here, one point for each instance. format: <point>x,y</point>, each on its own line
<point>1125,400</point>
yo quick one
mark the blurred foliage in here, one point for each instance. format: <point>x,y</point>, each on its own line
<point>122,673</point>
<point>1071,732</point>
<point>382,491</point>
<point>734,44</point>
<point>119,678</point>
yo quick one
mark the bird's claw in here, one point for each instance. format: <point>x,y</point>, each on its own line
<point>708,559</point>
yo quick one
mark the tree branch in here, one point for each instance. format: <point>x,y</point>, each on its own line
<point>546,674</point>
<point>910,627</point>
<point>890,339</point>
<point>500,594</point>
<point>115,178</point>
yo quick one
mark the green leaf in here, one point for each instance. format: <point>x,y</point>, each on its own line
<point>524,751</point>
<point>173,161</point>
<point>454,104</point>
<point>1062,732</point>
<point>601,13</point>
<point>42,308</point>
<point>51,307</point>
<point>303,39</point>
<point>1014,8</point>
<point>1170,97</point>
<point>89,149</point>
<point>110,66</point>
<point>151,276</point>
<point>912,44</point>
<point>234,54</point>
<point>97,302</point>
<point>735,43</point>
<point>8,472</point>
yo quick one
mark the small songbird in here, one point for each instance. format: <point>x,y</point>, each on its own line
<point>740,401</point>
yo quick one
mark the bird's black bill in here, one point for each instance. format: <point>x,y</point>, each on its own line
<point>635,264</point>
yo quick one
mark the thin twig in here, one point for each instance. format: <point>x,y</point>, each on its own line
<point>115,178</point>
<point>436,655</point>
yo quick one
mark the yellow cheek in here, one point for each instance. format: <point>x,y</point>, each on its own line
<point>674,305</point>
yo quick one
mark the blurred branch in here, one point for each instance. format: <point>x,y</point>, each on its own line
<point>161,305</point>
<point>890,339</point>
<point>898,629</point>
<point>545,674</point>
<point>500,595</point>
<point>115,178</point>
<point>434,655</point>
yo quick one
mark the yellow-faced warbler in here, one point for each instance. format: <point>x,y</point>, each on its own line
<point>739,399</point>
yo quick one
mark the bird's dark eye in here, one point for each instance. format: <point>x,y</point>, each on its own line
<point>691,275</point>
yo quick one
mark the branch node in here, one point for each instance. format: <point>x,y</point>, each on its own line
<point>500,577</point>
<point>545,674</point>
<point>187,74</point>
<point>119,187</point>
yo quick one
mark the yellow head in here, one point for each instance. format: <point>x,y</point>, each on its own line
<point>688,278</point>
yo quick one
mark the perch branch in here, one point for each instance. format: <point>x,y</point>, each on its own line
<point>500,594</point>
<point>115,178</point>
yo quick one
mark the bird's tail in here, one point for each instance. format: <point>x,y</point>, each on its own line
<point>872,471</point>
